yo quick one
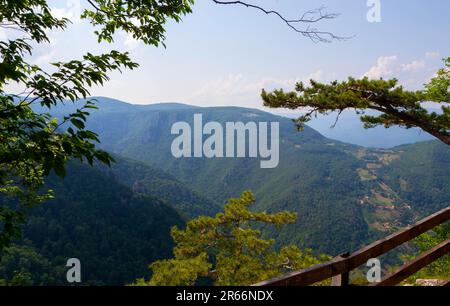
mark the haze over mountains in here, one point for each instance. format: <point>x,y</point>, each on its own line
<point>345,195</point>
<point>350,129</point>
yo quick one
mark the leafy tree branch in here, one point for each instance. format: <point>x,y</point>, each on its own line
<point>32,143</point>
<point>396,105</point>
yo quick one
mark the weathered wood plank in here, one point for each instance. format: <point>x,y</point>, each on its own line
<point>447,283</point>
<point>385,245</point>
<point>343,265</point>
<point>308,276</point>
<point>415,265</point>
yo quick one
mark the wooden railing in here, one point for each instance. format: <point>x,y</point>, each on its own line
<point>339,268</point>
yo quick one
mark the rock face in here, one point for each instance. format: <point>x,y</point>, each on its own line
<point>429,282</point>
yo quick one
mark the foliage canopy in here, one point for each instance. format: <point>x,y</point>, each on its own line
<point>229,249</point>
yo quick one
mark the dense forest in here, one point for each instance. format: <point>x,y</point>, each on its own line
<point>114,232</point>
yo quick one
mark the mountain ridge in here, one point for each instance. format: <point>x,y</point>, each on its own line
<point>342,193</point>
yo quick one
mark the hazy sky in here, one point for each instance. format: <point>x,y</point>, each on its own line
<point>224,55</point>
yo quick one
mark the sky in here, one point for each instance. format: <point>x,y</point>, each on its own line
<point>224,55</point>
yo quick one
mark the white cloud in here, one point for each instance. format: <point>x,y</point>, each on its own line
<point>383,67</point>
<point>414,65</point>
<point>226,88</point>
<point>130,43</point>
<point>432,55</point>
<point>71,11</point>
<point>411,74</point>
<point>317,76</point>
<point>45,58</point>
<point>45,53</point>
<point>237,89</point>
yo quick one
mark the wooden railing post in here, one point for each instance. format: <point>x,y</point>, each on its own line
<point>342,279</point>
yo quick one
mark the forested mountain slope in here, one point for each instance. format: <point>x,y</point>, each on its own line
<point>345,195</point>
<point>316,177</point>
<point>146,180</point>
<point>114,232</point>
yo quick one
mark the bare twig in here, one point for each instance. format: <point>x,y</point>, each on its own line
<point>337,118</point>
<point>312,16</point>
